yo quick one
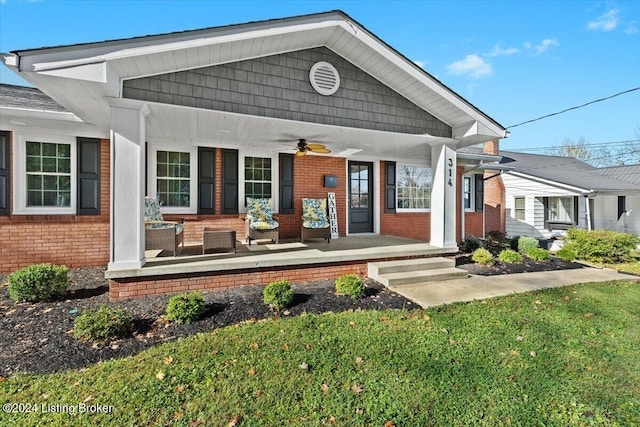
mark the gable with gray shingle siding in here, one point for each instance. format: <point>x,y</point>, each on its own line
<point>278,86</point>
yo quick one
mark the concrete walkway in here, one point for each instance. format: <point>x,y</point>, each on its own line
<point>481,287</point>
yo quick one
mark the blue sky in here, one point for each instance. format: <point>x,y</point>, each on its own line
<point>515,60</point>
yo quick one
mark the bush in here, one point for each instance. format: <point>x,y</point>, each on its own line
<point>539,254</point>
<point>38,282</point>
<point>566,253</point>
<point>101,325</point>
<point>278,294</point>
<point>185,307</point>
<point>509,256</point>
<point>603,246</point>
<point>525,243</point>
<point>513,243</point>
<point>470,244</point>
<point>497,236</point>
<point>482,256</point>
<point>350,285</point>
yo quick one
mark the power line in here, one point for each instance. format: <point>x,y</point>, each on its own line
<point>577,145</point>
<point>574,108</point>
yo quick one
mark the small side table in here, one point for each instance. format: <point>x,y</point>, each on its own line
<point>215,238</point>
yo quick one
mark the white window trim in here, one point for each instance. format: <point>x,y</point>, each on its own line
<point>20,173</point>
<point>413,210</point>
<point>152,167</point>
<point>472,196</point>
<point>275,177</point>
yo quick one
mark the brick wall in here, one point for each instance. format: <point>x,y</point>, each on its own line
<point>494,193</point>
<point>72,240</point>
<point>414,225</point>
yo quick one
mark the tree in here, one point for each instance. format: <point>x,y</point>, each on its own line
<point>601,155</point>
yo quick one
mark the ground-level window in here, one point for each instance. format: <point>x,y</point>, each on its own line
<point>413,187</point>
<point>467,192</point>
<point>519,208</point>
<point>48,168</point>
<point>561,209</point>
<point>173,178</point>
<point>257,177</point>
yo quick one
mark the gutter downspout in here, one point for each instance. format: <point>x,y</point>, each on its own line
<point>587,211</point>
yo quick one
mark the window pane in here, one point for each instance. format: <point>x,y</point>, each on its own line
<point>49,164</point>
<point>34,164</point>
<point>64,165</point>
<point>64,151</point>
<point>50,182</point>
<point>257,175</point>
<point>33,149</point>
<point>519,202</point>
<point>50,150</point>
<point>34,198</point>
<point>50,198</point>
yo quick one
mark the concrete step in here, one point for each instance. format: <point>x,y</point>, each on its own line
<point>415,264</point>
<point>414,271</point>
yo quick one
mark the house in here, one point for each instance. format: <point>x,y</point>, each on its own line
<point>205,118</point>
<point>546,194</point>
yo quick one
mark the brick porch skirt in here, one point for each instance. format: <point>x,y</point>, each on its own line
<point>136,287</point>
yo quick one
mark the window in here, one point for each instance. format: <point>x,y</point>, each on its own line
<point>173,178</point>
<point>561,209</point>
<point>48,174</point>
<point>519,208</point>
<point>467,192</point>
<point>413,187</point>
<point>257,177</point>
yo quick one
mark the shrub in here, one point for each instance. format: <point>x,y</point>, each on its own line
<point>278,294</point>
<point>525,243</point>
<point>482,256</point>
<point>38,282</point>
<point>497,236</point>
<point>101,325</point>
<point>470,244</point>
<point>350,285</point>
<point>603,246</point>
<point>539,254</point>
<point>510,256</point>
<point>513,243</point>
<point>185,307</point>
<point>566,253</point>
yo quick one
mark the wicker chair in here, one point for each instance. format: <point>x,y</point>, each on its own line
<point>158,233</point>
<point>315,223</point>
<point>260,222</point>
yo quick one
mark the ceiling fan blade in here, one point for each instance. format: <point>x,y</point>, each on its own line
<point>315,146</point>
<point>320,150</point>
<point>301,153</point>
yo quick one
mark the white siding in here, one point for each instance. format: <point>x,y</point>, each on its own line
<point>533,192</point>
<point>606,212</point>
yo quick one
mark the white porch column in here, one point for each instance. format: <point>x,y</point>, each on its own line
<point>127,188</point>
<point>443,197</point>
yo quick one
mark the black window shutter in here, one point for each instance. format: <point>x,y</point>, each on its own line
<point>576,217</point>
<point>622,205</point>
<point>229,181</point>
<point>286,183</point>
<point>479,192</point>
<point>88,179</point>
<point>390,186</point>
<point>545,208</point>
<point>206,180</point>
<point>5,176</point>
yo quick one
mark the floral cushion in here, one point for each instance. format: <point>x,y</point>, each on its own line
<point>153,217</point>
<point>263,225</point>
<point>314,213</point>
<point>259,209</point>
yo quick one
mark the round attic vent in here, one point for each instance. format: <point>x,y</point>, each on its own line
<point>324,78</point>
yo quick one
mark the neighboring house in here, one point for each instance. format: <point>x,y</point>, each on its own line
<point>547,194</point>
<point>205,118</point>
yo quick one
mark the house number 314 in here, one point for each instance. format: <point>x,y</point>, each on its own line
<point>450,172</point>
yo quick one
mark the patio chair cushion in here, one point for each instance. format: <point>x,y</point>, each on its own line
<point>314,213</point>
<point>153,217</point>
<point>259,209</point>
<point>264,225</point>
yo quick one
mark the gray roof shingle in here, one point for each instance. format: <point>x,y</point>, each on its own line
<point>27,98</point>
<point>566,170</point>
<point>628,173</point>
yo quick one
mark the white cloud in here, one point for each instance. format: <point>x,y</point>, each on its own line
<point>544,45</point>
<point>472,65</point>
<point>606,22</point>
<point>499,51</point>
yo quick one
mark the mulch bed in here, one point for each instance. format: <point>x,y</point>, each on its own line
<point>527,266</point>
<point>38,338</point>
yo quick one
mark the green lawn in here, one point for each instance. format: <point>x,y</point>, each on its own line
<point>629,267</point>
<point>560,357</point>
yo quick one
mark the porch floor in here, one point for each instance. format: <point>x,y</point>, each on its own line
<point>260,255</point>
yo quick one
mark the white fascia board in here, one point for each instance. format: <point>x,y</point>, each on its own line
<point>39,114</point>
<point>552,183</point>
<point>479,157</point>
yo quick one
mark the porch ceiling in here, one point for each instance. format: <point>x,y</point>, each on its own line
<point>168,124</point>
